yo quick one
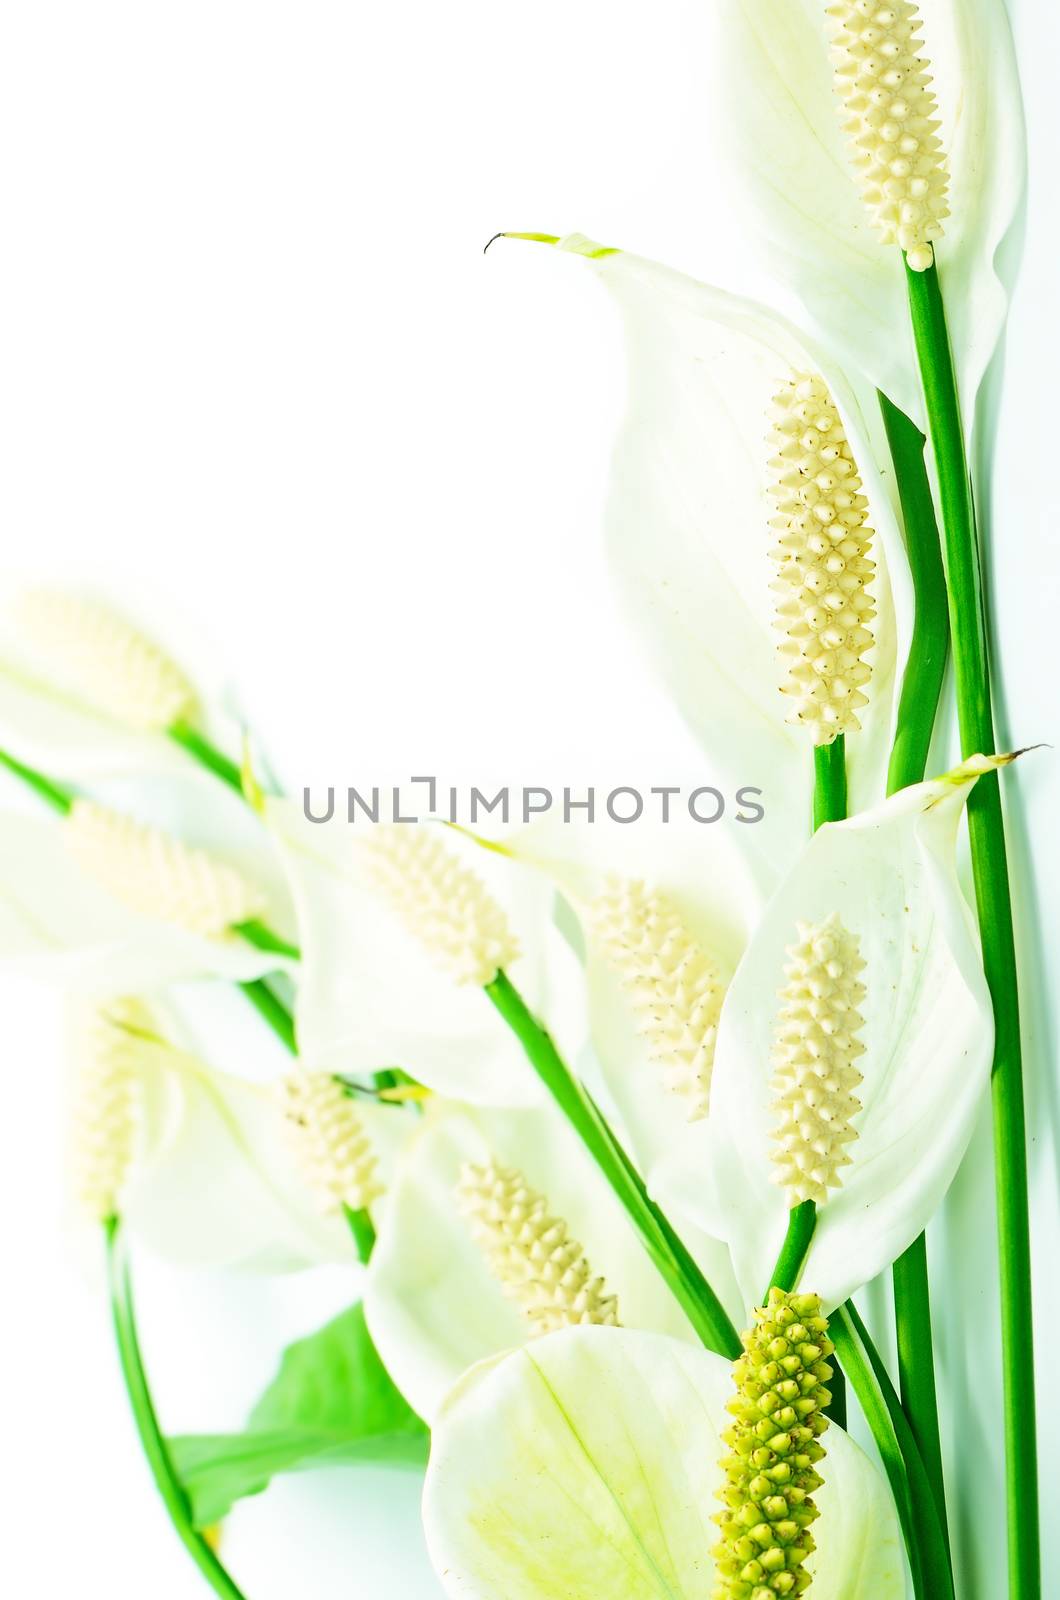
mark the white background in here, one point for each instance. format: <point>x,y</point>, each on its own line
<point>254,358</point>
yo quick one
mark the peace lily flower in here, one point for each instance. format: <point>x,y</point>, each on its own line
<point>198,1163</point>
<point>855,129</point>
<point>146,887</point>
<point>765,571</point>
<point>400,925</point>
<point>532,1239</point>
<point>860,1087</point>
<point>591,1462</point>
<point>85,691</point>
<point>661,916</point>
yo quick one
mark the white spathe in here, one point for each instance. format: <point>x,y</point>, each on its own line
<point>777,134</point>
<point>890,874</point>
<point>370,996</point>
<point>435,1306</point>
<point>587,1464</point>
<point>689,532</point>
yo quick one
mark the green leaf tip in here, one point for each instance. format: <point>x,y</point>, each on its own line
<point>770,1471</point>
<point>575,243</point>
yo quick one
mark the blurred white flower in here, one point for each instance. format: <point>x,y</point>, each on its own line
<point>376,992</point>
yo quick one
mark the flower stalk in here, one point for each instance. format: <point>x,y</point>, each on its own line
<point>151,1437</point>
<point>968,624</point>
<point>917,708</point>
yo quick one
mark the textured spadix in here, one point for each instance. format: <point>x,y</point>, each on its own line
<point>330,1141</point>
<point>110,663</point>
<point>814,1053</point>
<point>670,982</point>
<point>822,559</point>
<point>891,121</point>
<point>156,874</point>
<point>530,1252</point>
<point>774,1452</point>
<point>441,902</point>
<point>107,1104</point>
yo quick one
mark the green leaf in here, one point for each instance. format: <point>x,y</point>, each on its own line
<point>332,1402</point>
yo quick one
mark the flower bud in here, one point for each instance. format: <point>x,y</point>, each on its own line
<point>109,663</point>
<point>822,559</point>
<point>814,1052</point>
<point>157,875</point>
<point>530,1252</point>
<point>892,122</point>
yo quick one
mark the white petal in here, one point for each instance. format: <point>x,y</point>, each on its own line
<point>890,874</point>
<point>776,129</point>
<point>587,1465</point>
<point>689,535</point>
<point>370,997</point>
<point>430,1325</point>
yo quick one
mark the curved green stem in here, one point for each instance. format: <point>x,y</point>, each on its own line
<point>802,1220</point>
<point>829,782</point>
<point>921,1530</point>
<point>986,829</point>
<point>151,1437</point>
<point>202,750</point>
<point>917,709</point>
<point>684,1278</point>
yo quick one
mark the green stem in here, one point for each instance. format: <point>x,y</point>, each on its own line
<point>151,1437</point>
<point>917,709</point>
<point>802,1220</point>
<point>687,1283</point>
<point>986,829</point>
<point>360,1226</point>
<point>921,1529</point>
<point>60,798</point>
<point>269,1005</point>
<point>830,805</point>
<point>926,664</point>
<point>263,938</point>
<point>829,782</point>
<point>200,748</point>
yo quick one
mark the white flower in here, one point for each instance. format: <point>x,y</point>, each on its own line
<point>99,901</point>
<point>700,501</point>
<point>391,969</point>
<point>453,1280</point>
<point>920,1008</point>
<point>783,132</point>
<point>587,1464</point>
<point>197,1161</point>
